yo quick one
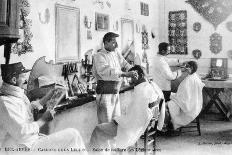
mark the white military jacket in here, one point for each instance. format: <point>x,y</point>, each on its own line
<point>17,126</point>
<point>107,65</point>
<point>162,74</point>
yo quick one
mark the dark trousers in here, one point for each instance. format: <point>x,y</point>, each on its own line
<point>167,95</point>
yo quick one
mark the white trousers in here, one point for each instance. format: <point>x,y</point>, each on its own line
<point>108,107</point>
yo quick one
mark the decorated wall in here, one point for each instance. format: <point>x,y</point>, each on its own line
<point>43,27</point>
<point>201,27</point>
<point>206,35</point>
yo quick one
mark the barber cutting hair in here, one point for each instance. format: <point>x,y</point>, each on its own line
<point>186,104</point>
<point>108,68</point>
<point>126,129</point>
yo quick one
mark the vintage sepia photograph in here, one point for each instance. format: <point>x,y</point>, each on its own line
<point>115,77</point>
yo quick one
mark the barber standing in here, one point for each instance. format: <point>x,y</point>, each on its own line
<point>107,69</point>
<point>162,73</point>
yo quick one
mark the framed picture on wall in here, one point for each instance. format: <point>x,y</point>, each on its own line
<point>102,21</point>
<point>177,29</point>
<point>144,9</point>
<point>67,33</point>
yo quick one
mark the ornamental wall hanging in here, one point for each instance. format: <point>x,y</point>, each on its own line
<point>45,18</point>
<point>178,32</point>
<point>215,43</point>
<point>196,54</point>
<point>145,40</point>
<point>197,27</point>
<point>214,11</point>
<point>23,45</point>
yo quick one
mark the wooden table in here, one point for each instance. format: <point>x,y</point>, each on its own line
<point>213,89</point>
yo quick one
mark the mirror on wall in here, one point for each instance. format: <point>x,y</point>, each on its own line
<point>127,39</point>
<point>219,68</point>
<point>67,33</point>
<point>219,62</point>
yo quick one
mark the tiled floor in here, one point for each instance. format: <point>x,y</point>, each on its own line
<point>216,139</point>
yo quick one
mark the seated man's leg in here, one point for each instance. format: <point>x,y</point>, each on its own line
<point>102,135</point>
<point>167,95</point>
<point>66,139</point>
<point>167,121</point>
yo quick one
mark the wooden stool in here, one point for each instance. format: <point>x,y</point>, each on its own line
<point>194,124</point>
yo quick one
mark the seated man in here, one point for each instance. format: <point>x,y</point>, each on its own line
<point>126,129</point>
<point>186,104</point>
<point>17,126</point>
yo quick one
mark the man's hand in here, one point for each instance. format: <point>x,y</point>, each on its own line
<point>36,105</point>
<point>46,117</point>
<point>132,74</point>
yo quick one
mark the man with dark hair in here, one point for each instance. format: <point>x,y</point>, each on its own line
<point>186,104</point>
<point>126,129</point>
<point>191,66</point>
<point>162,73</point>
<point>164,48</point>
<point>17,126</point>
<point>107,69</point>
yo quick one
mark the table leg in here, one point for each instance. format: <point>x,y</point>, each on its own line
<point>217,101</point>
<point>223,108</point>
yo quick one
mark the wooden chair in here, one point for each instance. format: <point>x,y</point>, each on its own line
<point>194,124</point>
<point>149,136</point>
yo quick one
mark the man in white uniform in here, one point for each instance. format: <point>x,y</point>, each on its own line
<point>17,126</point>
<point>126,129</point>
<point>186,104</point>
<point>162,73</point>
<point>107,69</point>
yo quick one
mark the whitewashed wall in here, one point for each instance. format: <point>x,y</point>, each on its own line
<point>200,40</point>
<point>43,40</point>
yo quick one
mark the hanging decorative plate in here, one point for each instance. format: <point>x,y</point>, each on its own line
<point>197,27</point>
<point>229,26</point>
<point>229,53</point>
<point>215,43</point>
<point>196,54</point>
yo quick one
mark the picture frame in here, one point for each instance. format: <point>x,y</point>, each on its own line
<point>101,22</point>
<point>144,9</point>
<point>177,32</point>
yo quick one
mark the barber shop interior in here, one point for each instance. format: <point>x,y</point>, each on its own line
<point>116,77</point>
